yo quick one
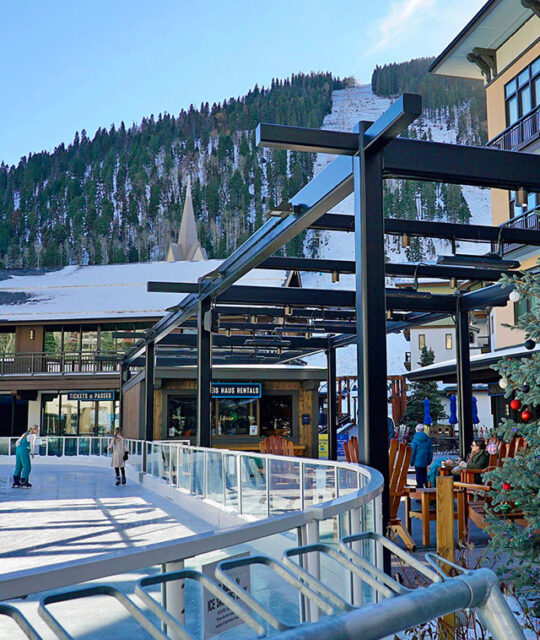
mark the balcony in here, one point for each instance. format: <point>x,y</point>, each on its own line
<point>58,363</point>
<point>519,134</point>
<point>529,220</point>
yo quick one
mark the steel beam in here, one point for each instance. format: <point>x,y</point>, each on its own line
<point>464,384</point>
<point>419,270</point>
<point>392,122</point>
<point>149,365</point>
<point>459,231</point>
<point>331,398</point>
<point>204,375</point>
<point>493,296</point>
<point>220,340</point>
<point>277,136</point>
<point>458,164</point>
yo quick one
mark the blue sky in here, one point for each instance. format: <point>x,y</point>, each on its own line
<point>72,65</point>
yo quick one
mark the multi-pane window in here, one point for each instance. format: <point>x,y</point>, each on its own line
<point>448,340</point>
<point>421,340</point>
<point>90,338</point>
<point>522,93</point>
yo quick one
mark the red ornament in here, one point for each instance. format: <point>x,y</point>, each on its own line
<point>506,486</point>
<point>526,415</point>
<point>515,404</point>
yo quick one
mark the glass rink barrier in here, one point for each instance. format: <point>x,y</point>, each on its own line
<point>306,560</point>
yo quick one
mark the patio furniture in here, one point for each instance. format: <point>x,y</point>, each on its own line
<point>277,446</point>
<point>399,458</point>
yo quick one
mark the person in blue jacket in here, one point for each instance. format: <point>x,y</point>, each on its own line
<point>24,449</point>
<point>422,455</point>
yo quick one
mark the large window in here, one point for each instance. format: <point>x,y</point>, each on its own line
<point>237,417</point>
<point>181,417</point>
<point>276,416</point>
<point>522,93</point>
<point>65,417</point>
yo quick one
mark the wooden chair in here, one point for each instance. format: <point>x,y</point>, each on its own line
<point>277,446</point>
<point>399,458</point>
<point>473,498</point>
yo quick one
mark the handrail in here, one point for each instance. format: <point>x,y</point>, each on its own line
<point>518,133</point>
<point>331,489</point>
<point>59,362</point>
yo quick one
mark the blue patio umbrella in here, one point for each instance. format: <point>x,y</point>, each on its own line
<point>453,407</point>
<point>475,417</point>
<point>427,416</point>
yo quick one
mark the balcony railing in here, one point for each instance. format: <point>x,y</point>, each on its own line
<point>58,363</point>
<point>519,134</point>
<point>529,220</point>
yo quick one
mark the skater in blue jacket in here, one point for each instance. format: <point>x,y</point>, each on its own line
<point>24,450</point>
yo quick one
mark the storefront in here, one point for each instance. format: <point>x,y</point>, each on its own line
<point>248,405</point>
<point>72,413</point>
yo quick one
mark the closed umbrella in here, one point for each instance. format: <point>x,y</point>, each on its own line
<point>427,416</point>
<point>475,417</point>
<point>453,408</point>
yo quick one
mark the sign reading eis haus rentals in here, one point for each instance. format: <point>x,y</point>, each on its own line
<point>90,395</point>
<point>236,390</point>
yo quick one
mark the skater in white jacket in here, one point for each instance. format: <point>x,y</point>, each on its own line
<point>119,449</point>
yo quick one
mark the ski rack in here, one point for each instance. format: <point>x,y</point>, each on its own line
<point>324,615</point>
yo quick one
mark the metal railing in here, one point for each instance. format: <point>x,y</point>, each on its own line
<point>519,134</point>
<point>529,220</point>
<point>59,363</point>
<point>281,494</point>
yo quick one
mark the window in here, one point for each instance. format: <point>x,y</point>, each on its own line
<point>182,417</point>
<point>522,93</point>
<point>421,340</point>
<point>448,340</point>
<point>276,416</point>
<point>7,342</point>
<point>53,339</point>
<point>237,417</point>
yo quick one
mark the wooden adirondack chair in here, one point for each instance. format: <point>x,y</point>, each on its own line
<point>474,498</point>
<point>277,446</point>
<point>399,458</point>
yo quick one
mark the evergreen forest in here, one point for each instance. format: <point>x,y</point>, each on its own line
<point>118,196</point>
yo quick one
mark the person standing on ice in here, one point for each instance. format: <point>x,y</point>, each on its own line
<point>24,450</point>
<point>119,449</point>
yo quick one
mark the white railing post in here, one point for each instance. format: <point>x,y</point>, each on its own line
<point>78,441</point>
<point>313,564</point>
<point>205,468</point>
<point>355,526</point>
<point>63,446</point>
<point>173,596</point>
<point>224,479</point>
<point>239,479</point>
<point>267,476</point>
<point>178,466</point>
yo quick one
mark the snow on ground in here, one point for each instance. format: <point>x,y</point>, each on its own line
<point>349,107</point>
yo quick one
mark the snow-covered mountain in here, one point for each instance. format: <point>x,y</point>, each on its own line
<point>349,107</point>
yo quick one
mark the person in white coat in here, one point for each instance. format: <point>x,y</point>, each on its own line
<point>118,446</point>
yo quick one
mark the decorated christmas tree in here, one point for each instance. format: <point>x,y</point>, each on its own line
<point>514,517</point>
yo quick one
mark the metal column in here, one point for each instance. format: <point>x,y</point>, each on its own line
<point>464,384</point>
<point>204,373</point>
<point>331,402</point>
<point>371,309</point>
<point>149,367</point>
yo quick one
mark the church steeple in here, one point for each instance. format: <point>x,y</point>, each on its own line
<point>188,246</point>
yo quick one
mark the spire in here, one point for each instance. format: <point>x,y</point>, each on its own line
<point>188,246</point>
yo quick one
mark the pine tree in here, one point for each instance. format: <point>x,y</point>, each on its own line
<point>420,391</point>
<point>516,485</point>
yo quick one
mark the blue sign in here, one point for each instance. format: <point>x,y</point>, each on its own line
<point>342,438</point>
<point>236,390</point>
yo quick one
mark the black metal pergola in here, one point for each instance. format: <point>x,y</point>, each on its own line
<point>243,324</point>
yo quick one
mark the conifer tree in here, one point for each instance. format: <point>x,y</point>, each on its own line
<point>420,391</point>
<point>516,485</point>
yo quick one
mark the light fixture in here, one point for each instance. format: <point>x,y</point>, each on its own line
<point>32,334</point>
<point>389,314</point>
<point>228,333</point>
<point>521,197</point>
<point>453,283</point>
<point>287,310</point>
<point>514,296</point>
<point>489,261</point>
<point>405,240</point>
<point>335,276</point>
